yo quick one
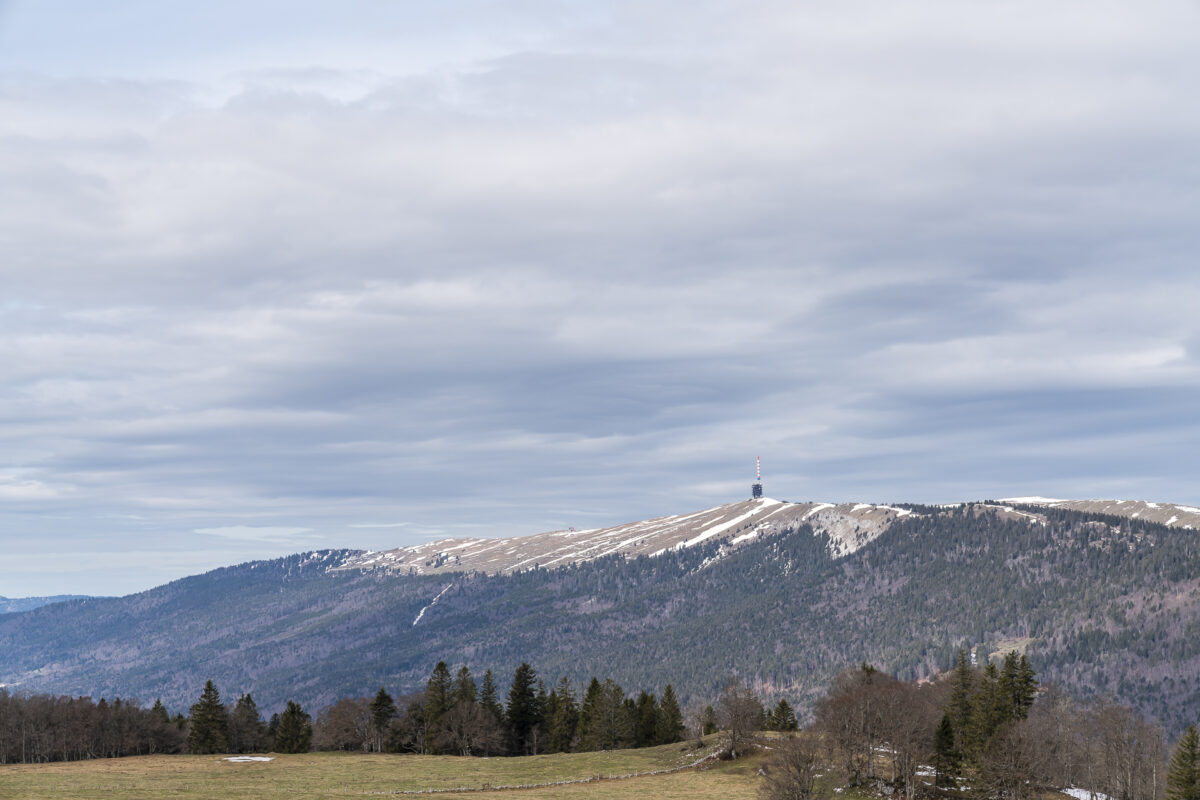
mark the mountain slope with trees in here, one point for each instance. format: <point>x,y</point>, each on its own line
<point>1098,603</point>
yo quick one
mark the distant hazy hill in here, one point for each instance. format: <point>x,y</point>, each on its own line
<point>11,604</point>
<point>1101,603</point>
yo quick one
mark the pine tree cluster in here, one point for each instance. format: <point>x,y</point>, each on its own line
<point>455,716</point>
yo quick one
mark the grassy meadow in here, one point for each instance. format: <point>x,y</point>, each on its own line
<point>343,775</point>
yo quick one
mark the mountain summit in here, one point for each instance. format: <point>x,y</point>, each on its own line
<point>849,526</point>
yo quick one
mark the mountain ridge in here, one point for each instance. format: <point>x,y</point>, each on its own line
<point>1105,604</point>
<point>11,605</point>
<point>849,526</point>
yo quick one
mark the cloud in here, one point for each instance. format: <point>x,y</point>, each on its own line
<point>585,262</point>
<point>263,533</point>
<point>15,488</point>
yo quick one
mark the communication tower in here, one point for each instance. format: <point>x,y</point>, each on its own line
<point>756,487</point>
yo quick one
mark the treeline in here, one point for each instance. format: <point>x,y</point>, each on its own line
<point>453,715</point>
<point>990,729</point>
<point>45,728</point>
<point>456,716</point>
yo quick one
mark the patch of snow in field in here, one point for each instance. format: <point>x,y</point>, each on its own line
<point>243,759</point>
<point>1172,520</point>
<point>1084,794</point>
<point>1152,505</point>
<point>860,507</point>
<point>1189,509</point>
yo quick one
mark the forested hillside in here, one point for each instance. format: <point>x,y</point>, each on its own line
<point>1102,604</point>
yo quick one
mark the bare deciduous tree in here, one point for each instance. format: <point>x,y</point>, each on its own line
<point>852,718</point>
<point>791,774</point>
<point>468,729</point>
<point>345,725</point>
<point>740,715</point>
<point>908,718</point>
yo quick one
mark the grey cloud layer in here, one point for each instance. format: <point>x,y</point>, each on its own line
<point>588,271</point>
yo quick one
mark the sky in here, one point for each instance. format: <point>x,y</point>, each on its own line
<point>282,276</point>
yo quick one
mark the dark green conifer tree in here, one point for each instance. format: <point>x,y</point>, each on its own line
<point>610,725</point>
<point>670,718</point>
<point>522,712</point>
<point>1008,688</point>
<point>645,720</point>
<point>437,703</point>
<point>782,718</point>
<point>564,718</point>
<point>210,724</point>
<point>464,690</point>
<point>489,698</point>
<point>587,710</point>
<point>1027,687</point>
<point>989,710</point>
<point>962,689</point>
<point>160,711</point>
<point>946,759</point>
<point>543,705</point>
<point>294,732</point>
<point>247,731</point>
<point>1183,774</point>
<point>383,711</point>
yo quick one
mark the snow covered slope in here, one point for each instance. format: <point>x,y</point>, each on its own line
<point>1175,516</point>
<point>850,526</point>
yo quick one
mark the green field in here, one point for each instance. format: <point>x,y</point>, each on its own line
<point>341,775</point>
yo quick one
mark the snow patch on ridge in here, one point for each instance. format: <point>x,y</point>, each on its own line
<point>708,533</point>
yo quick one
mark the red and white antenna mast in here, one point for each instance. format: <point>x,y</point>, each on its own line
<point>756,488</point>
